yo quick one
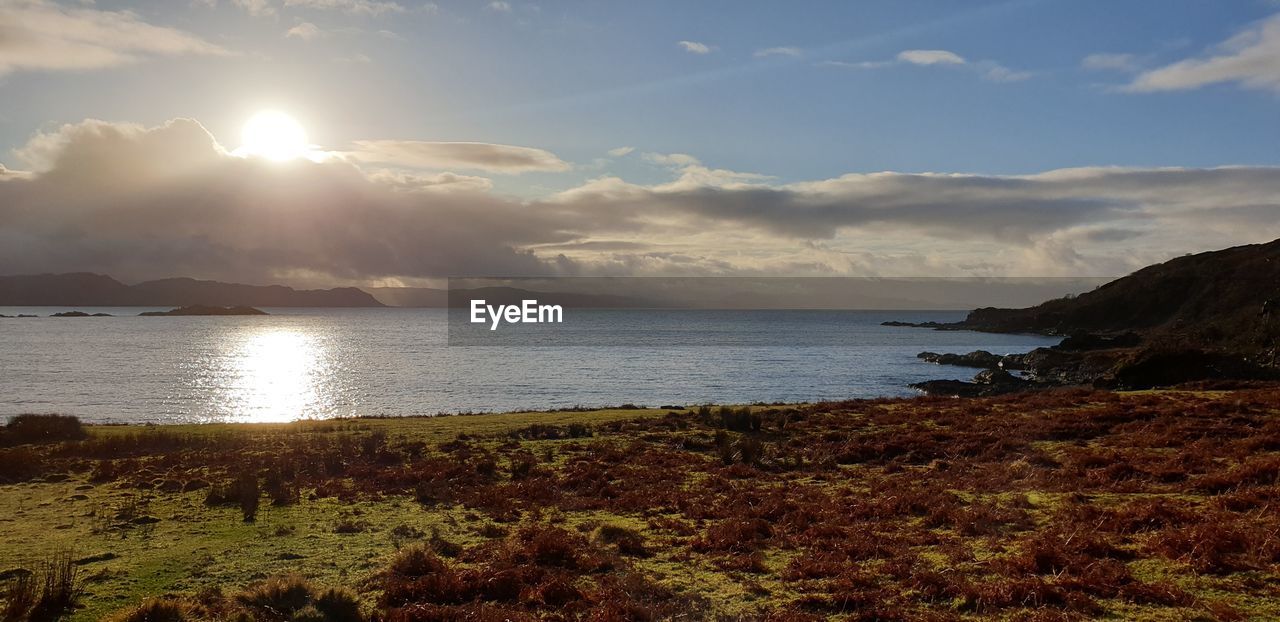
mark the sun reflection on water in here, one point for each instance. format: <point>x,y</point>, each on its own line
<point>279,376</point>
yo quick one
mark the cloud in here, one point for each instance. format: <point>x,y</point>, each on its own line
<point>930,57</point>
<point>1251,58</point>
<point>498,6</point>
<point>1110,62</point>
<point>866,64</point>
<point>672,159</point>
<point>995,72</point>
<point>987,69</point>
<point>1012,211</point>
<point>139,202</point>
<point>144,202</point>
<point>619,152</point>
<point>778,51</point>
<point>450,182</point>
<point>490,157</point>
<point>695,47</point>
<point>353,7</point>
<point>305,31</point>
<point>257,8</point>
<point>36,35</point>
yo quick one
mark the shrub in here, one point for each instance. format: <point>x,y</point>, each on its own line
<point>19,595</point>
<point>156,610</point>
<point>735,535</point>
<point>740,419</point>
<point>627,540</point>
<point>277,597</point>
<point>338,606</point>
<point>443,547</point>
<point>19,464</point>
<point>242,491</point>
<point>59,589</point>
<point>37,429</point>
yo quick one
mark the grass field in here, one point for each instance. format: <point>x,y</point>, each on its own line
<point>1057,505</point>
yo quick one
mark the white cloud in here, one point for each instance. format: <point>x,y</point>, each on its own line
<point>695,47</point>
<point>987,69</point>
<point>305,31</point>
<point>1110,62</point>
<point>490,157</point>
<point>1251,58</point>
<point>353,59</point>
<point>778,51</point>
<point>995,72</point>
<point>672,159</point>
<point>38,35</point>
<point>621,151</point>
<point>498,6</point>
<point>257,8</point>
<point>354,7</point>
<point>866,64</point>
<point>930,57</point>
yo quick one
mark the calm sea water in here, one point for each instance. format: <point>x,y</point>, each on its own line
<point>319,363</point>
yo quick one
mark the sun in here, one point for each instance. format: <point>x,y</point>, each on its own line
<point>273,135</point>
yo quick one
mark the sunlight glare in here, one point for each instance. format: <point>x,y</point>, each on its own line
<point>273,135</point>
<point>278,373</point>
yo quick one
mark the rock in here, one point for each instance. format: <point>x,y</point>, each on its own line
<point>1090,341</point>
<point>92,559</point>
<point>987,382</point>
<point>933,325</point>
<point>953,388</point>
<point>74,314</point>
<point>1149,368</point>
<point>145,520</point>
<point>998,378</point>
<point>204,310</point>
<point>980,359</point>
<point>14,573</point>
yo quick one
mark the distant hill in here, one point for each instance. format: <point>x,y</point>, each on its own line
<point>460,298</point>
<point>1227,299</point>
<point>97,290</point>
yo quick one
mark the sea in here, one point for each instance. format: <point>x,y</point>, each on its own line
<point>326,363</point>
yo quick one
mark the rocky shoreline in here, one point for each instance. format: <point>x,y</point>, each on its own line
<point>1213,316</point>
<point>1104,366</point>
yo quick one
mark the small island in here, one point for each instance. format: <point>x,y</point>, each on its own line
<point>79,314</point>
<point>205,310</point>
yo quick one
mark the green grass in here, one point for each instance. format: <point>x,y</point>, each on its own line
<point>193,546</point>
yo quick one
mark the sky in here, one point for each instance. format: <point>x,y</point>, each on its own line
<point>513,138</point>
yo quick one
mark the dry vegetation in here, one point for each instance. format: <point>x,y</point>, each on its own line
<point>1051,506</point>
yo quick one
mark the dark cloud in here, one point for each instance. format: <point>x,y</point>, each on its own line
<point>962,207</point>
<point>140,203</point>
